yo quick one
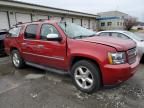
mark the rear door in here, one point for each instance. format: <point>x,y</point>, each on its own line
<point>29,44</point>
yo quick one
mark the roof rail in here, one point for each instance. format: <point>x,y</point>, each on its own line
<point>40,20</point>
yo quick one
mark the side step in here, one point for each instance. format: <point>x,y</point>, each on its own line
<point>48,69</point>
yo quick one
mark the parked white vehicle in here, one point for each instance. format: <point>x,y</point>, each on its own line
<point>126,35</point>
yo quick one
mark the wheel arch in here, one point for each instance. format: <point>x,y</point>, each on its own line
<point>78,58</point>
<point>13,48</point>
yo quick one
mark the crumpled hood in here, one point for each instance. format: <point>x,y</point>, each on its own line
<point>119,44</point>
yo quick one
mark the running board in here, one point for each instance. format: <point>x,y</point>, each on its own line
<point>48,69</point>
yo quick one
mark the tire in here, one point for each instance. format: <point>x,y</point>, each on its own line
<point>142,59</point>
<point>17,60</point>
<point>86,76</point>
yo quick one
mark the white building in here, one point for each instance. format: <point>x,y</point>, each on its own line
<point>12,12</point>
<point>111,20</point>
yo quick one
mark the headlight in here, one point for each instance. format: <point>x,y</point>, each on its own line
<point>117,58</point>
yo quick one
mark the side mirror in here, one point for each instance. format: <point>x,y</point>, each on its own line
<point>53,37</point>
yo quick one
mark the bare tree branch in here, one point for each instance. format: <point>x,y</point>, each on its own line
<point>129,22</point>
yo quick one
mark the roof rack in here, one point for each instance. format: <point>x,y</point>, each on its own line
<point>40,20</point>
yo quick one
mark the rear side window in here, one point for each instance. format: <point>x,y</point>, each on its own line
<point>120,35</point>
<point>30,32</point>
<point>14,32</point>
<point>104,34</point>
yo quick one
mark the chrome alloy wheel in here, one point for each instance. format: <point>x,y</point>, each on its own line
<point>16,60</point>
<point>83,77</point>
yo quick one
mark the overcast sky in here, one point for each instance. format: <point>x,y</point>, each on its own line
<point>132,7</point>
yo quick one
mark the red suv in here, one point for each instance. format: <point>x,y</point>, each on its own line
<point>61,47</point>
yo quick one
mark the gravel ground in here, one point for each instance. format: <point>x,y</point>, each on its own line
<point>34,88</point>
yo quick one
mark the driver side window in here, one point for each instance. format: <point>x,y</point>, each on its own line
<point>47,29</point>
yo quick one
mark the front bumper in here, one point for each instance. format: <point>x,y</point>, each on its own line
<point>116,74</point>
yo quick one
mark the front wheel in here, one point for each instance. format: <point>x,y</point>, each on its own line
<point>86,76</point>
<point>17,60</point>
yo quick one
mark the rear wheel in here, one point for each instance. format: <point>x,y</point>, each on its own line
<point>86,76</point>
<point>142,59</point>
<point>17,60</point>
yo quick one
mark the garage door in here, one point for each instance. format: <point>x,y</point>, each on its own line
<point>93,24</point>
<point>85,23</point>
<point>4,24</point>
<point>38,17</point>
<point>55,18</point>
<point>68,20</point>
<point>20,17</point>
<point>77,21</point>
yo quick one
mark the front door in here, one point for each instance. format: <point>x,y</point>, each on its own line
<point>51,53</point>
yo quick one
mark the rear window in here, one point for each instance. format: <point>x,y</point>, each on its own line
<point>30,32</point>
<point>2,34</point>
<point>14,32</point>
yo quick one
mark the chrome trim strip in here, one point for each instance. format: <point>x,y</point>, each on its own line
<point>55,57</point>
<point>35,40</point>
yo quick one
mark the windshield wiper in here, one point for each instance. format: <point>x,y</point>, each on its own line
<point>92,35</point>
<point>80,36</point>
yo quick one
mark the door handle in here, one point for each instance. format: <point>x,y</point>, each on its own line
<point>24,44</point>
<point>40,46</point>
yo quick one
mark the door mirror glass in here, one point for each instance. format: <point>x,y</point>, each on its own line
<point>53,37</point>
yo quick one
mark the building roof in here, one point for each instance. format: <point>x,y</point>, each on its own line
<point>19,4</point>
<point>107,12</point>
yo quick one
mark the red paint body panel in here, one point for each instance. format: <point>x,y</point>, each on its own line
<point>120,45</point>
<point>115,74</point>
<point>60,54</point>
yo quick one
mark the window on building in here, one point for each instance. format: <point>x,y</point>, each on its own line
<point>123,23</point>
<point>30,32</point>
<point>103,24</point>
<point>109,23</point>
<point>47,29</point>
<point>117,23</point>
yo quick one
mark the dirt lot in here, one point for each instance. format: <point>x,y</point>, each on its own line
<point>34,88</point>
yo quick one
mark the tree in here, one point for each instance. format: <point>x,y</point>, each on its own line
<point>129,22</point>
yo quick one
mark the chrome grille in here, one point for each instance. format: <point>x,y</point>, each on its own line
<point>132,55</point>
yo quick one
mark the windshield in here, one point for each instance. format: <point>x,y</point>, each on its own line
<point>76,31</point>
<point>132,35</point>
